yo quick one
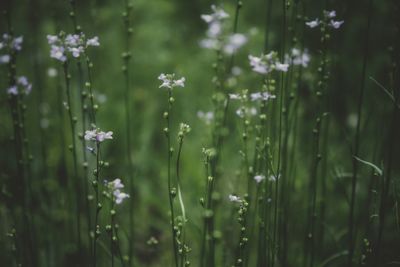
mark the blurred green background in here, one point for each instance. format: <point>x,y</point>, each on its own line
<point>165,38</point>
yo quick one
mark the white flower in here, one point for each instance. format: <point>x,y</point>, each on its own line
<point>169,82</point>
<point>119,196</point>
<point>52,39</point>
<point>258,65</point>
<point>281,66</point>
<point>330,14</point>
<point>259,178</point>
<point>273,178</point>
<point>101,136</point>
<point>261,96</point>
<point>93,41</point>
<point>313,23</point>
<point>235,96</point>
<point>235,41</point>
<point>234,198</point>
<point>267,63</point>
<point>13,90</point>
<point>97,135</point>
<point>4,59</point>
<point>57,52</point>
<point>116,184</point>
<point>336,24</point>
<point>298,57</point>
<point>209,43</point>
<point>17,43</point>
<point>243,111</point>
<point>76,51</point>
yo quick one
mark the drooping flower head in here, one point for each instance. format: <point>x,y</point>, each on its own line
<point>168,81</point>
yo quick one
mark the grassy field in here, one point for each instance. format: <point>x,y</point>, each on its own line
<point>199,133</point>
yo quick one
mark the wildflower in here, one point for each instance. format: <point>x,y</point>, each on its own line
<point>336,24</point>
<point>184,129</point>
<point>74,44</point>
<point>281,66</point>
<point>57,52</point>
<point>234,198</point>
<point>120,196</point>
<point>259,178</point>
<point>97,135</point>
<point>21,86</point>
<point>273,178</point>
<point>267,63</point>
<point>298,57</point>
<point>245,111</point>
<point>114,190</point>
<point>10,44</point>
<point>4,59</point>
<point>234,42</point>
<point>13,90</point>
<point>169,82</point>
<point>313,23</point>
<point>93,41</point>
<point>261,96</point>
<point>330,14</point>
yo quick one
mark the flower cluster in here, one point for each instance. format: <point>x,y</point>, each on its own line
<point>10,44</point>
<point>184,129</point>
<point>214,40</point>
<point>169,82</point>
<point>97,135</point>
<point>328,20</point>
<point>114,191</point>
<point>298,57</point>
<point>74,44</point>
<point>267,63</point>
<point>22,86</point>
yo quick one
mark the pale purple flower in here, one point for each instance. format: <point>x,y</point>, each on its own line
<point>57,52</point>
<point>330,14</point>
<point>93,41</point>
<point>4,59</point>
<point>281,66</point>
<point>336,24</point>
<point>313,23</point>
<point>169,82</point>
<point>261,96</point>
<point>120,196</point>
<point>13,90</point>
<point>267,63</point>
<point>52,39</point>
<point>97,135</point>
<point>234,42</point>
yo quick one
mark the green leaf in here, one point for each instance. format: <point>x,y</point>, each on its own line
<point>378,170</point>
